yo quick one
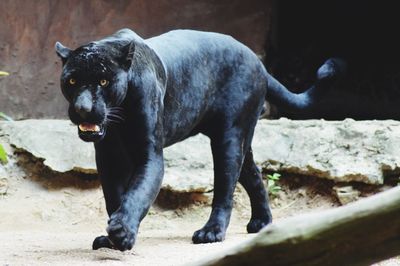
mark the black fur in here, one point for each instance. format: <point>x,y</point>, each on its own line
<point>161,91</point>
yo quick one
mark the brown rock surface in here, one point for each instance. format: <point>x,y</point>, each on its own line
<point>29,30</point>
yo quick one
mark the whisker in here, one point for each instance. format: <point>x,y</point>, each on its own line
<point>111,120</point>
<point>115,112</point>
<point>114,115</point>
<point>115,118</point>
<point>116,109</point>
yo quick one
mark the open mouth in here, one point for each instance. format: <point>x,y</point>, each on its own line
<point>91,132</point>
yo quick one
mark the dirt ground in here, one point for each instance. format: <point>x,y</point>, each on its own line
<point>52,219</point>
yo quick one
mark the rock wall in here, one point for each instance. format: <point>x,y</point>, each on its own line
<point>29,30</point>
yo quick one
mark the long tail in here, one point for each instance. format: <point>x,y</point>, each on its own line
<point>305,102</point>
<point>287,100</point>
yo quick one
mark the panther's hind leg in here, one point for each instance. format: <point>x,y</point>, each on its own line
<point>250,178</point>
<point>230,127</point>
<point>228,158</point>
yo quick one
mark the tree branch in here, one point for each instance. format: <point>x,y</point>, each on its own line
<point>360,233</point>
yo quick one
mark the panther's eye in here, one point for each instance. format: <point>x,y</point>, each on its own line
<point>72,81</point>
<point>103,82</point>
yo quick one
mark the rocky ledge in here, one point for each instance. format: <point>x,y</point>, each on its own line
<point>343,151</point>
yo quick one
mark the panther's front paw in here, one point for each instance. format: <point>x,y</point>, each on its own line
<point>121,235</point>
<point>209,234</point>
<point>256,224</point>
<point>102,242</point>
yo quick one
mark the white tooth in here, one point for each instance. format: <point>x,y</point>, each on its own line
<point>97,128</point>
<point>81,128</point>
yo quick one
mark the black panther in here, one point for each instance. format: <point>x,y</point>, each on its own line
<point>133,97</point>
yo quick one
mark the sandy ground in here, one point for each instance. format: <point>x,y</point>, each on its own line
<point>52,220</point>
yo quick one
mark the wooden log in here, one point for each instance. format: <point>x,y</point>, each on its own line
<point>360,233</point>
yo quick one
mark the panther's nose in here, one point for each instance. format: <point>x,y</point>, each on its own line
<point>84,103</point>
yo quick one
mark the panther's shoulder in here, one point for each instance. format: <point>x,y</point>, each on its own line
<point>194,35</point>
<point>121,37</point>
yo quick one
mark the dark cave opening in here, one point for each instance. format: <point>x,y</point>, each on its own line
<point>362,33</point>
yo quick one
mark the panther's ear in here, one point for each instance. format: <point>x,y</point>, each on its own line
<point>62,51</point>
<point>127,53</point>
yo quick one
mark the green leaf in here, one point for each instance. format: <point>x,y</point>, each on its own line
<point>273,188</point>
<point>3,155</point>
<point>274,176</point>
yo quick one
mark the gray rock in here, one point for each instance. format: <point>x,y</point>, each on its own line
<point>54,141</point>
<point>189,166</point>
<point>343,151</point>
<point>346,194</point>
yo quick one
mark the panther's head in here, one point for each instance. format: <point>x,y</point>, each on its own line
<point>94,80</point>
